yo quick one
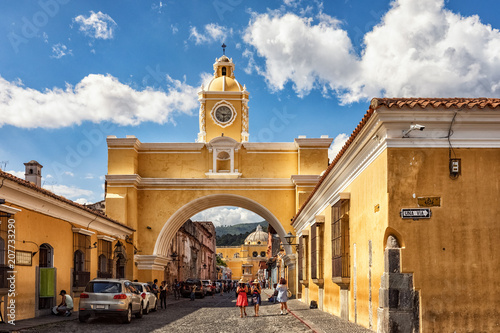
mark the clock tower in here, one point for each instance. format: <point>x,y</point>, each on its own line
<point>223,105</point>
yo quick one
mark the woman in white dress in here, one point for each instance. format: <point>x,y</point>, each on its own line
<point>282,296</point>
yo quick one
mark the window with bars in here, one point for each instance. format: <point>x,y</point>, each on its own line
<point>81,260</point>
<point>340,240</point>
<point>314,252</point>
<point>302,260</point>
<point>105,262</point>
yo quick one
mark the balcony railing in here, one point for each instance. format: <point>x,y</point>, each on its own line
<point>80,279</point>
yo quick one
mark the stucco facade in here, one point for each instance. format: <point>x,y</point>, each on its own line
<point>161,185</point>
<point>413,234</point>
<point>47,230</point>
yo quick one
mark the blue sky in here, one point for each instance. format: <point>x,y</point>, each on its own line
<point>73,72</point>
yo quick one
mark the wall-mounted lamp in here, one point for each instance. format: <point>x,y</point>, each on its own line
<point>148,227</point>
<point>204,266</point>
<point>412,128</point>
<point>93,246</point>
<point>290,238</point>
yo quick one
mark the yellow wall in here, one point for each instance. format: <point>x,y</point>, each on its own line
<point>245,257</point>
<point>366,191</point>
<point>32,226</point>
<point>453,255</point>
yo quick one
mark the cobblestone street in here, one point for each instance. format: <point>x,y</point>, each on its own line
<point>218,314</point>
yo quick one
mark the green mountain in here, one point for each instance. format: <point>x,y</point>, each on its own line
<point>235,235</point>
<point>239,228</point>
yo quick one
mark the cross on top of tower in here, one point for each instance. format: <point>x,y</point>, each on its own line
<point>223,49</point>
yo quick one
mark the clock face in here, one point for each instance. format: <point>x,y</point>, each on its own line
<point>223,114</point>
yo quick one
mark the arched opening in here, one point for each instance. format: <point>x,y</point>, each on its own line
<point>224,71</point>
<point>46,295</point>
<point>120,266</point>
<point>45,255</point>
<point>79,261</point>
<point>103,263</point>
<point>177,219</point>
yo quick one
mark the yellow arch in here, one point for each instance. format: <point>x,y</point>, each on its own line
<point>214,200</point>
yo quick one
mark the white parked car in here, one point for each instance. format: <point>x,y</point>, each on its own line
<point>149,301</point>
<point>207,285</point>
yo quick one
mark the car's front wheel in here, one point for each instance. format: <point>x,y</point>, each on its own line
<point>128,317</point>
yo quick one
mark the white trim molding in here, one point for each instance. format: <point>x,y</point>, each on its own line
<point>83,231</point>
<point>151,262</point>
<point>9,210</point>
<point>106,238</point>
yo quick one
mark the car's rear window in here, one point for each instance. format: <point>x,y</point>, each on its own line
<point>104,287</point>
<point>138,287</point>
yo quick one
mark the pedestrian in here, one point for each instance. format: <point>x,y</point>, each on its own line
<point>222,288</point>
<point>256,300</point>
<point>282,296</point>
<point>193,292</point>
<point>177,289</point>
<point>65,307</point>
<point>212,288</point>
<point>163,296</point>
<point>242,300</point>
<point>154,288</point>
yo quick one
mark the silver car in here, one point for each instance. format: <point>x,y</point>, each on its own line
<point>149,301</point>
<point>110,297</point>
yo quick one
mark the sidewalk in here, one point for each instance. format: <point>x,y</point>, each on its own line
<point>317,320</point>
<point>50,319</point>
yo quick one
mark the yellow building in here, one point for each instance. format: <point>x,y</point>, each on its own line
<point>401,232</point>
<point>49,243</point>
<point>245,260</point>
<point>156,187</point>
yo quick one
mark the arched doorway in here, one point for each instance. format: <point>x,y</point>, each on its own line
<point>46,276</point>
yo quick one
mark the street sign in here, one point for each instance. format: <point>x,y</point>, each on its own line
<point>415,213</point>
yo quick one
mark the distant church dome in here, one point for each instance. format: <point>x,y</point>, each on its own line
<point>257,237</point>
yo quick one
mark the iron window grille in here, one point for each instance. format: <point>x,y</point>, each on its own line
<point>340,240</point>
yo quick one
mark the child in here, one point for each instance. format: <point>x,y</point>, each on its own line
<point>163,296</point>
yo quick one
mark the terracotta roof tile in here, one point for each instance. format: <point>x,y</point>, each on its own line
<point>448,103</point>
<point>6,175</point>
<point>400,103</point>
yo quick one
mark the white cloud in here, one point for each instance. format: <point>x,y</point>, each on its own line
<point>82,201</point>
<point>295,50</point>
<point>227,216</point>
<point>337,145</point>
<point>18,174</point>
<point>45,37</point>
<point>60,50</point>
<point>69,173</point>
<point>69,192</point>
<point>89,176</point>
<point>419,49</point>
<point>96,25</point>
<point>205,78</point>
<point>213,33</point>
<point>96,98</point>
<point>49,176</point>
<point>174,29</point>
